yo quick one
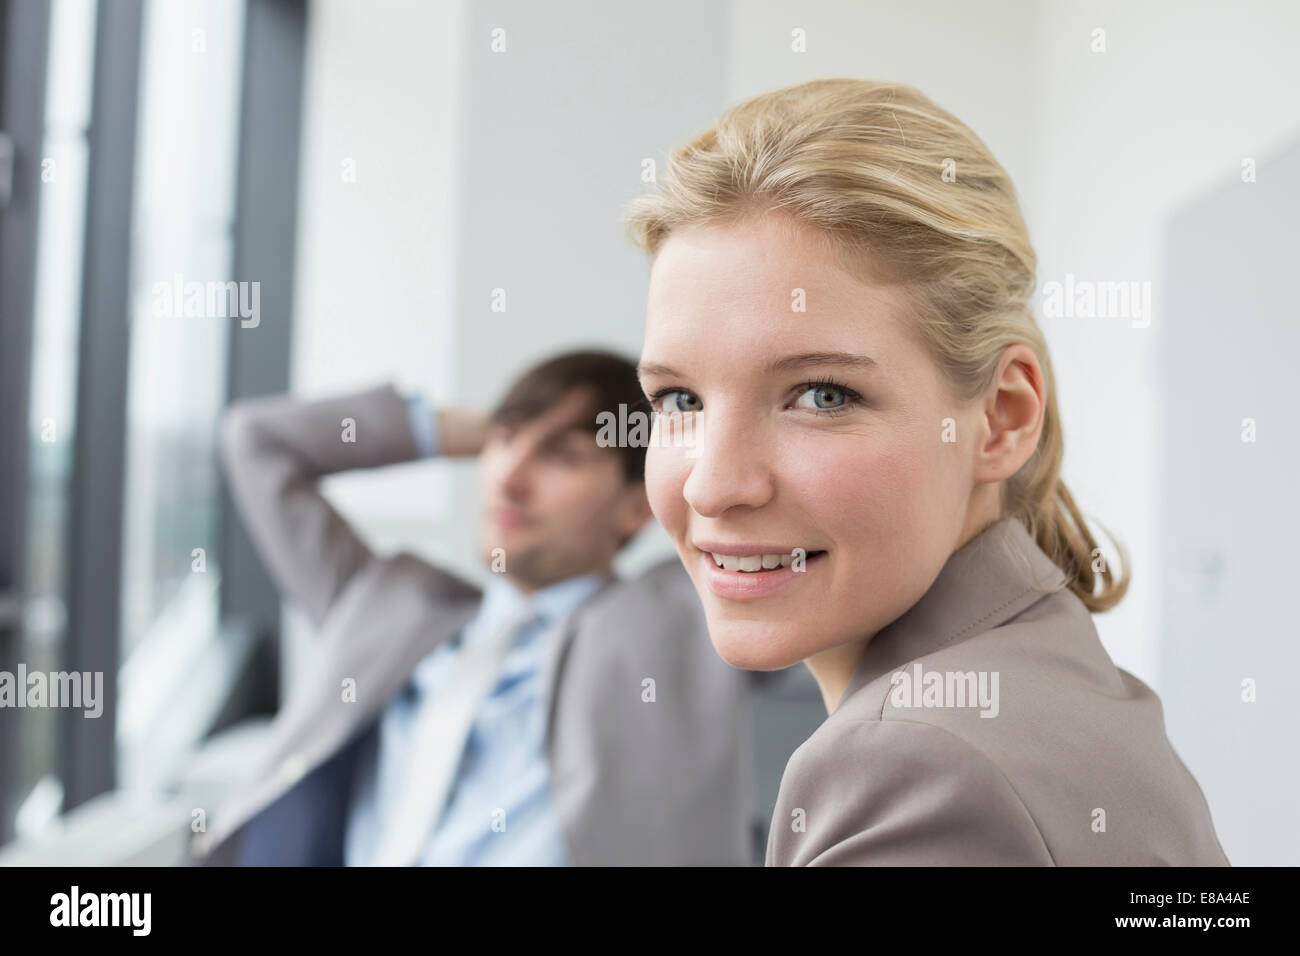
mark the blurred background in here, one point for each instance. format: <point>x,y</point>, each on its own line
<point>381,168</point>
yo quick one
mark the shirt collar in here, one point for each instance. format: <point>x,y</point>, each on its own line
<point>986,582</point>
<point>501,597</point>
<point>563,598</point>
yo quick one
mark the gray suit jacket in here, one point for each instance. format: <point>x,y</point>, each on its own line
<point>1073,768</point>
<point>634,782</point>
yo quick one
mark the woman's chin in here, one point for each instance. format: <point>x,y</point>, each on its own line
<point>750,653</point>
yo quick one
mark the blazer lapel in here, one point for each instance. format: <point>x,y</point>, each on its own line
<point>560,635</point>
<point>376,651</point>
<point>414,624</point>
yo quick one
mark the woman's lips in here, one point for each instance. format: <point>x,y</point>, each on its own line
<point>752,585</point>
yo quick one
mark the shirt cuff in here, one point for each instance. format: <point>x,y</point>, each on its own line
<point>424,426</point>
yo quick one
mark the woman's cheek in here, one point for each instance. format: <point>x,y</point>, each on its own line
<point>862,485</point>
<point>665,477</point>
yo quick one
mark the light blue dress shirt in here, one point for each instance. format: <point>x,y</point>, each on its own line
<point>499,810</point>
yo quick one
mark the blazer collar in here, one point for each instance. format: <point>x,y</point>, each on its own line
<point>986,582</point>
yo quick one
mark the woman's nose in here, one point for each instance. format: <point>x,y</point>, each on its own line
<point>728,466</point>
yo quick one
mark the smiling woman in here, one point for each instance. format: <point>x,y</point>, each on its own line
<point>839,299</point>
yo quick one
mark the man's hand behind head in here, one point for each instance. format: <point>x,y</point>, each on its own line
<point>462,431</point>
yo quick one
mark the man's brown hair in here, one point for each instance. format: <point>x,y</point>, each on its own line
<point>608,381</point>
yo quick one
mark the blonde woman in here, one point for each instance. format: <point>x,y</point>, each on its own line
<point>857,452</point>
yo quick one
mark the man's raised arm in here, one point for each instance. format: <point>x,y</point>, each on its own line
<point>276,449</point>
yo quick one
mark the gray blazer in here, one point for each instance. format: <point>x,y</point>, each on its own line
<point>1073,767</point>
<point>635,782</point>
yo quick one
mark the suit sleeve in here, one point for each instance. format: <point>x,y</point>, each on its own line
<point>276,449</point>
<point>899,793</point>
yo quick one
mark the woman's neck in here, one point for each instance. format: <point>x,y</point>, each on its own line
<point>833,669</point>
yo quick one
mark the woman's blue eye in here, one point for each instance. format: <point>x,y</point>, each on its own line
<point>673,401</point>
<point>823,397</point>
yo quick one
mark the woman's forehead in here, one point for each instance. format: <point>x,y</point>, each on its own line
<point>730,269</point>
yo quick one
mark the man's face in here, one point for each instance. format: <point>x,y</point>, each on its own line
<point>555,503</point>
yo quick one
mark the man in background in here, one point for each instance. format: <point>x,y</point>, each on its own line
<point>559,716</point>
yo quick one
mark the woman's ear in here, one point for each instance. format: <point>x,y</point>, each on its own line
<point>1013,412</point>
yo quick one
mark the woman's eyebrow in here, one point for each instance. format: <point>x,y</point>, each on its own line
<point>654,368</point>
<point>787,364</point>
<point>841,359</point>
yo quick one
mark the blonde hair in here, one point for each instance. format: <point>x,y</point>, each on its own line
<point>910,194</point>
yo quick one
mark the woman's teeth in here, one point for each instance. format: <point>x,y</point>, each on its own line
<point>755,562</point>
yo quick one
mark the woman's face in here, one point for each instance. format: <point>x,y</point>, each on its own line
<point>821,430</point>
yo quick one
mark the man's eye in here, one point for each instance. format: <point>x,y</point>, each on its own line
<point>565,453</point>
<point>675,400</point>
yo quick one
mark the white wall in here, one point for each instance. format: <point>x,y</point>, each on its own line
<point>1229,526</point>
<point>375,264</point>
<point>375,267</point>
<point>1181,95</point>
